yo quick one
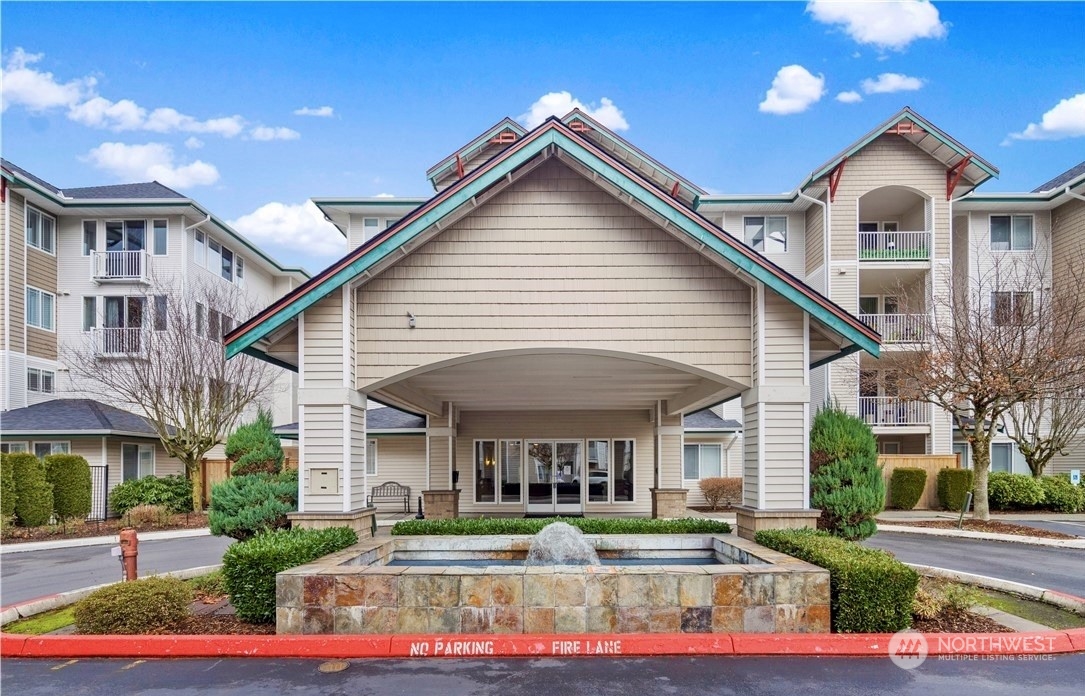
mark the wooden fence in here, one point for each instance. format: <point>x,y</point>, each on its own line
<point>214,471</point>
<point>931,463</point>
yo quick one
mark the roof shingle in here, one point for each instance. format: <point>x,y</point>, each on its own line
<point>73,416</point>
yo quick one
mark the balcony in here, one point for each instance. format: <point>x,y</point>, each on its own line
<point>895,246</point>
<point>897,328</point>
<point>119,342</point>
<point>127,266</point>
<point>894,412</point>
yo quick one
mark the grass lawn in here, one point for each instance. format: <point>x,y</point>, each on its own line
<point>1032,610</point>
<point>43,623</point>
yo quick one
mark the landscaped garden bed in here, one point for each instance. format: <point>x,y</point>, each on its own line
<point>990,526</point>
<point>490,526</point>
<point>93,528</point>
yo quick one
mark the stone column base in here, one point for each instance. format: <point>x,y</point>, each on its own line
<point>669,502</point>
<point>362,521</point>
<point>441,505</point>
<point>752,520</point>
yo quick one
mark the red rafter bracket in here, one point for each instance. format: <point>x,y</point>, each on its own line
<point>906,128</point>
<point>459,167</point>
<point>3,190</point>
<point>503,138</point>
<point>954,174</point>
<point>674,189</point>
<point>834,178</point>
<point>579,127</point>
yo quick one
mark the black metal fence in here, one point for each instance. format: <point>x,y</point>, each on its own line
<point>99,488</point>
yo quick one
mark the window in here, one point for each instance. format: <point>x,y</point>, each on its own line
<point>889,447</point>
<point>239,271</point>
<point>961,450</point>
<point>40,230</point>
<point>370,227</point>
<point>227,264</point>
<point>44,449</point>
<point>137,461</point>
<point>201,320</point>
<point>623,470</point>
<point>214,325</point>
<point>1002,457</point>
<point>869,304</point>
<point>125,235</point>
<point>767,234</point>
<point>90,236</point>
<point>370,457</point>
<point>510,471</point>
<point>40,381</point>
<point>90,313</point>
<point>161,302</point>
<point>217,258</point>
<point>199,248</point>
<point>485,470</point>
<point>1011,233</point>
<point>161,237</point>
<point>701,461</point>
<point>599,470</point>
<point>12,447</point>
<point>40,309</point>
<point>868,227</point>
<point>1010,308</point>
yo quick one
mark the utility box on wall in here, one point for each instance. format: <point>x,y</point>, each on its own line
<point>324,481</point>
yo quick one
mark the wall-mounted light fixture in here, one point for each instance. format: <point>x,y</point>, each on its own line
<point>410,320</point>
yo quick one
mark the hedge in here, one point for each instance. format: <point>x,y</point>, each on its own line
<point>953,487</point>
<point>244,506</point>
<point>870,591</point>
<point>69,475</point>
<point>249,567</point>
<point>7,487</point>
<point>1062,496</point>
<point>152,605</point>
<point>906,487</point>
<point>494,526</point>
<point>33,493</point>
<point>174,492</point>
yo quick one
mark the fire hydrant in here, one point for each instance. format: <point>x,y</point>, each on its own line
<point>129,551</point>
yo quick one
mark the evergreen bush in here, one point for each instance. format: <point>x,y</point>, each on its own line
<point>69,475</point>
<point>953,488</point>
<point>500,526</point>
<point>33,493</point>
<point>906,486</point>
<point>1062,496</point>
<point>254,448</point>
<point>7,488</point>
<point>172,492</point>
<point>1006,491</point>
<point>243,506</point>
<point>846,482</point>
<point>249,567</point>
<point>152,605</point>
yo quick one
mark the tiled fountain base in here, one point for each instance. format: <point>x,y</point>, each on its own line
<point>740,587</point>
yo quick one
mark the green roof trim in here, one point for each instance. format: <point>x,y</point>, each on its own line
<point>686,221</point>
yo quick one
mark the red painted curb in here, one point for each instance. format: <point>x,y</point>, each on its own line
<point>564,645</point>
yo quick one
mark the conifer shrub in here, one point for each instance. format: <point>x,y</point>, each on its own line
<point>243,506</point>
<point>33,493</point>
<point>151,605</point>
<point>906,486</point>
<point>845,481</point>
<point>69,475</point>
<point>953,488</point>
<point>254,449</point>
<point>7,488</point>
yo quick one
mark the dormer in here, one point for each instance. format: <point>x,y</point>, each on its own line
<point>472,155</point>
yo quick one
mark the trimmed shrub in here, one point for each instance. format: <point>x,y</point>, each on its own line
<point>7,487</point>
<point>870,591</point>
<point>1007,491</point>
<point>33,493</point>
<point>953,488</point>
<point>244,506</point>
<point>152,605</point>
<point>499,526</point>
<point>846,482</point>
<point>70,476</point>
<point>718,490</point>
<point>906,487</point>
<point>249,567</point>
<point>935,595</point>
<point>173,492</point>
<point>148,514</point>
<point>1062,496</point>
<point>254,449</point>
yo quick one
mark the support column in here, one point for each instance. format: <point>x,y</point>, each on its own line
<point>668,497</point>
<point>442,499</point>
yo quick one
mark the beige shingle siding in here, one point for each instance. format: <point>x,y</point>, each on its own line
<point>323,450</point>
<point>401,458</point>
<point>1067,238</point>
<point>784,341</point>
<point>357,457</point>
<point>323,343</point>
<point>16,281</point>
<point>553,261</point>
<point>439,453</point>
<point>751,437</point>
<point>815,238</point>
<point>785,428</point>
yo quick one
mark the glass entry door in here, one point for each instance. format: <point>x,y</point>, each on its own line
<point>553,472</point>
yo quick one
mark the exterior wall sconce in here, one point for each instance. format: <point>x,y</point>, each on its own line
<point>410,320</point>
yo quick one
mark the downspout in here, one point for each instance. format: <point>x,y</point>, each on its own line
<point>1070,193</point>
<point>197,224</point>
<point>824,238</point>
<point>5,401</point>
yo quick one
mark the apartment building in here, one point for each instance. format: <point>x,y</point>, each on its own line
<point>80,268</point>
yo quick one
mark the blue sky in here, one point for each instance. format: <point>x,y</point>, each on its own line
<point>205,96</point>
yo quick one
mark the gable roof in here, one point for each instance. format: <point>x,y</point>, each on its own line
<point>149,189</point>
<point>929,138</point>
<point>1064,179</point>
<point>74,417</point>
<point>551,138</point>
<point>708,420</point>
<point>474,148</point>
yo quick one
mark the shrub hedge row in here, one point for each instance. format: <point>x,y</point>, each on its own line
<point>70,476</point>
<point>491,526</point>
<point>249,567</point>
<point>906,486</point>
<point>173,492</point>
<point>871,592</point>
<point>953,487</point>
<point>33,492</point>
<point>1023,492</point>
<point>7,487</point>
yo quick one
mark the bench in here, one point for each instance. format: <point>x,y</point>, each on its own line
<point>390,491</point>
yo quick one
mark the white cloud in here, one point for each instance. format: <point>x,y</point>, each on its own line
<point>324,111</point>
<point>561,103</point>
<point>193,143</point>
<point>849,97</point>
<point>888,83</point>
<point>151,161</point>
<point>38,91</point>
<point>793,90</point>
<point>269,133</point>
<point>98,112</point>
<point>887,25</point>
<point>384,195</point>
<point>301,227</point>
<point>1065,120</point>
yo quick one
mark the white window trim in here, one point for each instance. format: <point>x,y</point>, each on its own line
<point>41,375</point>
<point>41,212</point>
<point>1011,216</point>
<point>217,271</point>
<point>82,240</point>
<point>496,467</point>
<point>522,499</point>
<point>764,243</point>
<point>26,313</point>
<point>374,458</point>
<point>1013,305</point>
<point>614,468</point>
<point>699,446</point>
<point>67,444</point>
<point>25,444</point>
<point>139,448</point>
<point>154,238</point>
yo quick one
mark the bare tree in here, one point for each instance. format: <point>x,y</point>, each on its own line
<point>1044,427</point>
<point>161,355</point>
<point>1007,338</point>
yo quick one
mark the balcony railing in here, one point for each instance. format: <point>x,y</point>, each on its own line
<point>896,328</point>
<point>893,411</point>
<point>119,265</point>
<point>894,246</point>
<point>119,342</point>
